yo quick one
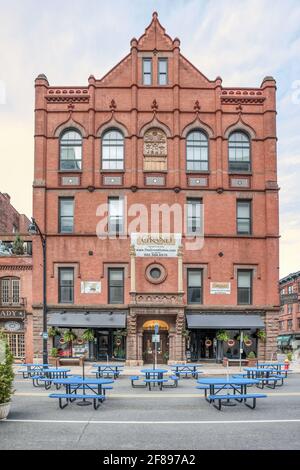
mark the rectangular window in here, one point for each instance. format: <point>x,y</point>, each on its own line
<point>115,215</point>
<point>66,285</point>
<point>194,216</point>
<point>162,71</point>
<point>115,286</point>
<point>66,215</point>
<point>147,71</point>
<point>244,283</point>
<point>290,324</point>
<point>243,220</point>
<point>194,279</point>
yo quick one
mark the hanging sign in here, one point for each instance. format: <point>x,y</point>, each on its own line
<point>163,245</point>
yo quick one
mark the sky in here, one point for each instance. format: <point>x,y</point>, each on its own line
<point>241,40</point>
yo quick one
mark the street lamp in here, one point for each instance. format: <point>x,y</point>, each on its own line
<point>34,229</point>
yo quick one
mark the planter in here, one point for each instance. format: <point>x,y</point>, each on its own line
<point>252,362</point>
<point>208,343</point>
<point>4,410</point>
<point>231,343</point>
<point>248,343</point>
<point>53,360</point>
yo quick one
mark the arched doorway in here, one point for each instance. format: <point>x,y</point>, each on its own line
<point>149,346</point>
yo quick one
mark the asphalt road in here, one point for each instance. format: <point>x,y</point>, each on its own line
<point>174,419</point>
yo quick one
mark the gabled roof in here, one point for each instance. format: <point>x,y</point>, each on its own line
<point>155,37</point>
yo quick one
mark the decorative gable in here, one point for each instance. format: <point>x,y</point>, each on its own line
<point>155,37</point>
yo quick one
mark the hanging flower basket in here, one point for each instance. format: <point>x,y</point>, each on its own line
<point>208,343</point>
<point>61,341</point>
<point>80,341</point>
<point>248,342</point>
<point>118,342</point>
<point>231,343</point>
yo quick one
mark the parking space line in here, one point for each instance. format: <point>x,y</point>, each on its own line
<point>53,421</point>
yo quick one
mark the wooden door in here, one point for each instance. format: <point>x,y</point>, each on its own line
<point>149,348</point>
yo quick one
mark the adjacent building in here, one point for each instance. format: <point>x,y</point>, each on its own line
<point>289,318</point>
<point>157,190</point>
<point>15,280</point>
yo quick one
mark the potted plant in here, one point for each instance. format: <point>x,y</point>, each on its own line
<point>261,334</point>
<point>166,357</point>
<point>88,335</point>
<point>53,331</point>
<point>18,246</point>
<point>6,377</point>
<point>53,356</point>
<point>222,335</point>
<point>252,360</point>
<point>69,336</point>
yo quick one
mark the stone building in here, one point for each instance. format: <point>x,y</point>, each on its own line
<point>289,318</point>
<point>113,159</point>
<point>15,280</point>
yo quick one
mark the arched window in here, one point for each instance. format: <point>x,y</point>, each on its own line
<point>9,291</point>
<point>196,151</point>
<point>113,150</point>
<point>239,152</point>
<point>70,150</point>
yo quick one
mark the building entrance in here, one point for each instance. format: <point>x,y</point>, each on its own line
<point>149,346</point>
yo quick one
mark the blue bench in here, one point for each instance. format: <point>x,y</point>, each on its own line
<point>92,387</point>
<point>217,387</point>
<point>237,397</point>
<point>134,379</point>
<point>97,399</point>
<point>174,384</point>
<point>187,373</point>
<point>154,381</point>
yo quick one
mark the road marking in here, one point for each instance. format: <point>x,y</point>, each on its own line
<point>53,421</point>
<point>154,395</point>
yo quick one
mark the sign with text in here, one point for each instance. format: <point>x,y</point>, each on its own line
<point>90,287</point>
<point>12,314</point>
<point>220,287</point>
<point>163,245</point>
<point>155,338</point>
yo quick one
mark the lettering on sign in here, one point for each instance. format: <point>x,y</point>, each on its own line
<point>156,244</point>
<point>12,314</point>
<point>220,288</point>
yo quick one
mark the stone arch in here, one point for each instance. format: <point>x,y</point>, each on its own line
<point>155,123</point>
<point>70,124</point>
<point>112,124</point>
<point>197,125</point>
<point>240,126</point>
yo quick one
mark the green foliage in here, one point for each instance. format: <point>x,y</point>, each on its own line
<point>69,336</point>
<point>54,352</point>
<point>261,334</point>
<point>289,356</point>
<point>245,338</point>
<point>251,355</point>
<point>185,333</point>
<point>88,335</point>
<point>6,373</point>
<point>18,246</point>
<point>222,335</point>
<point>120,333</point>
<point>53,332</point>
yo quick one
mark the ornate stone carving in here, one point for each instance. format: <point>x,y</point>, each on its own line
<point>162,299</point>
<point>155,150</point>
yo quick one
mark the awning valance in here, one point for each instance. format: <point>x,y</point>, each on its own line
<point>87,319</point>
<point>228,322</point>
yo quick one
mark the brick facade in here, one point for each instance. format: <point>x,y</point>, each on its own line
<point>189,101</point>
<point>289,316</point>
<point>10,219</point>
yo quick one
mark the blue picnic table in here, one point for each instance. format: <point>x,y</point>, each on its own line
<point>154,377</point>
<point>108,370</point>
<point>186,370</point>
<point>46,375</point>
<point>266,376</point>
<point>81,388</point>
<point>229,390</point>
<point>32,369</point>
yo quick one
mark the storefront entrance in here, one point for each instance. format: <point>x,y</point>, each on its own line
<point>149,346</point>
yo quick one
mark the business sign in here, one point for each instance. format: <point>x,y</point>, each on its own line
<point>7,314</point>
<point>156,245</point>
<point>220,287</point>
<point>90,287</point>
<point>155,338</point>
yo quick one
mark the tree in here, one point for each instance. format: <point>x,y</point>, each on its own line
<point>6,371</point>
<point>18,246</point>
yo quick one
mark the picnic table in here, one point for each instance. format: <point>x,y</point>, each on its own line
<point>154,377</point>
<point>32,369</point>
<point>81,388</point>
<point>46,375</point>
<point>277,366</point>
<point>108,370</point>
<point>219,390</point>
<point>186,370</point>
<point>266,376</point>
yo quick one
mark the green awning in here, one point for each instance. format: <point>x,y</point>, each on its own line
<point>284,340</point>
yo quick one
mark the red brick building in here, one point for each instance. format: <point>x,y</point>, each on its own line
<point>15,280</point>
<point>155,131</point>
<point>289,318</point>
